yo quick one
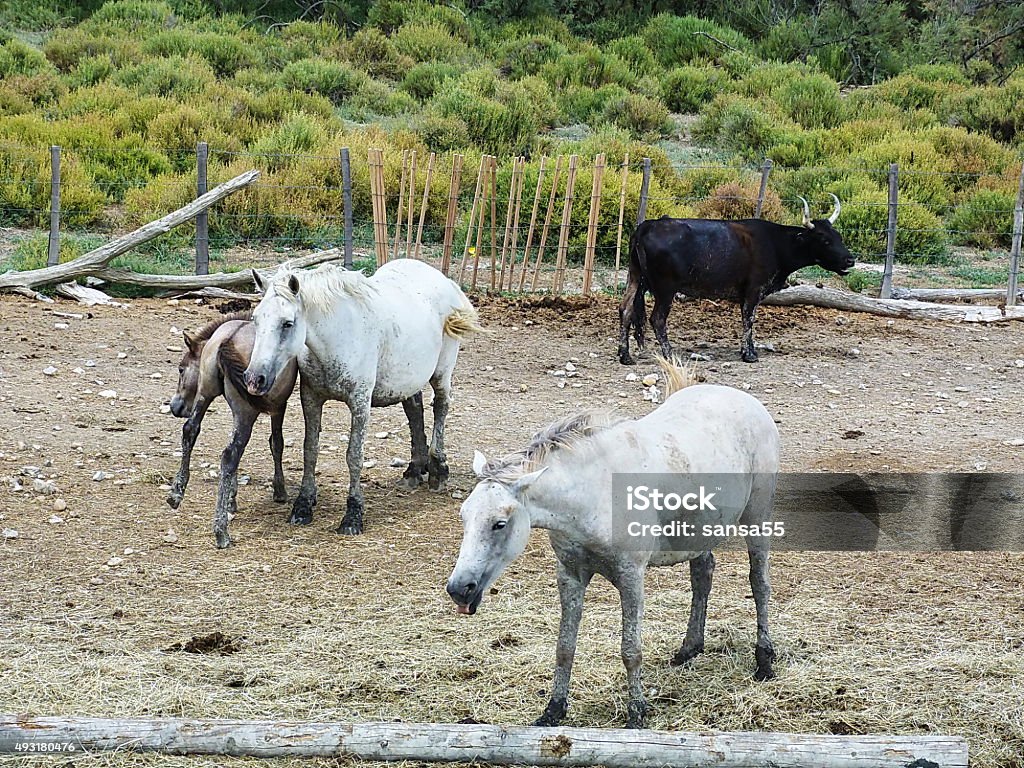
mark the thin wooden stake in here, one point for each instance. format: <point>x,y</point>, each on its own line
<point>401,203</point>
<point>494,219</point>
<point>346,198</point>
<point>1015,243</point>
<point>203,219</point>
<point>547,222</point>
<point>645,186</point>
<point>472,217</point>
<point>507,239</point>
<point>595,211</point>
<point>563,235</point>
<point>533,223</point>
<point>515,221</point>
<point>766,170</point>
<point>380,216</point>
<point>622,216</point>
<point>890,232</point>
<point>453,210</point>
<point>53,247</point>
<point>411,202</point>
<point>480,227</point>
<point>423,207</point>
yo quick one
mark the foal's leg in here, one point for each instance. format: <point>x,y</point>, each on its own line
<point>276,449</point>
<point>441,383</point>
<point>747,349</point>
<point>189,434</point>
<point>359,405</point>
<point>312,415</point>
<point>418,466</point>
<point>572,586</point>
<point>764,652</point>
<point>659,321</point>
<point>630,584</point>
<point>702,568</point>
<point>244,418</point>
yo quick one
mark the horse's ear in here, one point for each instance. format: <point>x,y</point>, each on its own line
<point>479,462</point>
<point>293,284</point>
<point>522,485</point>
<point>190,342</point>
<point>261,287</point>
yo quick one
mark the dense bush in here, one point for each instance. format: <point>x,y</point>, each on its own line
<point>739,201</point>
<point>984,219</point>
<point>676,40</point>
<point>687,89</point>
<point>334,79</point>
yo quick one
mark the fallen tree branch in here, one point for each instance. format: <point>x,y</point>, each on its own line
<point>93,261</point>
<point>497,745</point>
<point>830,298</point>
<point>952,294</point>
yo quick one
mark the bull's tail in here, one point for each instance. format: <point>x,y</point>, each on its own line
<point>463,322</point>
<point>633,310</point>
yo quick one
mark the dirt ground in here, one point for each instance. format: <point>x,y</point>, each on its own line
<point>322,627</point>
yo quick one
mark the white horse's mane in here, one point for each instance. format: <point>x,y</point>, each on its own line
<point>566,434</point>
<point>321,286</point>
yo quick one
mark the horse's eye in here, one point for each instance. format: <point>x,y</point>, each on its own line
<point>287,324</point>
<point>499,525</point>
<point>181,369</point>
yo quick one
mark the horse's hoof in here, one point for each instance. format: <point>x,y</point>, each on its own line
<point>223,540</point>
<point>625,359</point>
<point>637,714</point>
<point>764,656</point>
<point>438,477</point>
<point>354,528</point>
<point>174,499</point>
<point>749,357</point>
<point>300,519</point>
<point>684,654</point>
<point>554,712</point>
<point>280,495</point>
<point>412,482</point>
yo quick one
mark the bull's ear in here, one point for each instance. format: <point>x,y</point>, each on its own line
<point>479,462</point>
<point>293,284</point>
<point>190,342</point>
<point>261,287</point>
<point>522,485</point>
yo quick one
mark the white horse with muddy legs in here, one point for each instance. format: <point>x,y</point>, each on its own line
<point>368,342</point>
<point>563,482</point>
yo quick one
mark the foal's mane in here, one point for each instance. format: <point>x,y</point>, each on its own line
<point>321,286</point>
<point>204,333</point>
<point>564,435</point>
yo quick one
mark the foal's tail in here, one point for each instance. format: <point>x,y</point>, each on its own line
<point>463,322</point>
<point>678,375</point>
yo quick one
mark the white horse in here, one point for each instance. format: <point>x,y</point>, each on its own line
<point>562,482</point>
<point>371,341</point>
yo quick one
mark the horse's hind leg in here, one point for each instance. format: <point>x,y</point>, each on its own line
<point>572,586</point>
<point>630,584</point>
<point>359,405</point>
<point>226,506</point>
<point>418,466</point>
<point>702,569</point>
<point>312,415</point>
<point>189,433</point>
<point>764,651</point>
<point>441,383</point>
<point>276,450</point>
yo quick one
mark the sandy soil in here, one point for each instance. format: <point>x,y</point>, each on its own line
<point>327,627</point>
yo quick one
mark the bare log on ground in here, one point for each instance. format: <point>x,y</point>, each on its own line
<point>92,262</point>
<point>830,298</point>
<point>953,294</point>
<point>496,745</point>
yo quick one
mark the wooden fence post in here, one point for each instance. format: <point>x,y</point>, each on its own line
<point>410,202</point>
<point>472,217</point>
<point>563,234</point>
<point>622,215</point>
<point>515,220</point>
<point>203,219</point>
<point>346,199</point>
<point>453,210</point>
<point>380,223</point>
<point>507,237</point>
<point>494,218</point>
<point>533,224</point>
<point>423,207</point>
<point>401,203</point>
<point>645,186</point>
<point>766,170</point>
<point>890,235</point>
<point>1018,235</point>
<point>53,250</point>
<point>547,222</point>
<point>592,221</point>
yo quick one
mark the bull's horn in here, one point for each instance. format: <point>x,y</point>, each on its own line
<point>835,214</point>
<point>807,213</point>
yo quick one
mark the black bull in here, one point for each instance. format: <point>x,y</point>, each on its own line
<point>742,260</point>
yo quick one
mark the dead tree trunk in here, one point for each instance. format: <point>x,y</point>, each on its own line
<point>93,261</point>
<point>490,744</point>
<point>830,298</point>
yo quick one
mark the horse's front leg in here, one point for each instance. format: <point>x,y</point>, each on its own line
<point>226,505</point>
<point>702,569</point>
<point>276,450</point>
<point>437,461</point>
<point>189,434</point>
<point>418,437</point>
<point>630,584</point>
<point>764,651</point>
<point>312,415</point>
<point>572,586</point>
<point>352,523</point>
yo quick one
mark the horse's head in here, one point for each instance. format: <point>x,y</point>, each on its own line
<point>280,331</point>
<point>496,527</point>
<point>188,377</point>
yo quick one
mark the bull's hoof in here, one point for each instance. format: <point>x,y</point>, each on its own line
<point>636,715</point>
<point>553,714</point>
<point>685,654</point>
<point>437,476</point>
<point>223,540</point>
<point>302,511</point>
<point>280,495</point>
<point>625,359</point>
<point>413,477</point>
<point>174,498</point>
<point>352,523</point>
<point>748,356</point>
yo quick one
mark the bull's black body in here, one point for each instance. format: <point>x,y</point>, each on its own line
<point>741,261</point>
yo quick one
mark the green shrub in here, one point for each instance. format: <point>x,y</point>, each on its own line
<point>18,58</point>
<point>985,219</point>
<point>786,41</point>
<point>920,236</point>
<point>524,56</point>
<point>763,80</point>
<point>377,99</point>
<point>174,76</point>
<point>938,73</point>
<point>25,190</point>
<point>226,54</point>
<point>687,89</point>
<point>424,80</point>
<point>442,133</point>
<point>676,40</point>
<point>298,134</point>
<point>428,42</point>
<point>735,200</point>
<point>812,101</point>
<point>921,168</point>
<point>132,15</point>
<point>370,50</point>
<point>634,51</point>
<point>590,69</point>
<point>638,114</point>
<point>580,104</point>
<point>742,125</point>
<point>68,48</point>
<point>334,79</point>
<point>306,39</point>
<point>497,127</point>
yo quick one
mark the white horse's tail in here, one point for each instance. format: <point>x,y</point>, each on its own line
<point>678,375</point>
<point>463,322</point>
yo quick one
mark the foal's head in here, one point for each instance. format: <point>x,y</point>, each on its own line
<point>188,376</point>
<point>280,331</point>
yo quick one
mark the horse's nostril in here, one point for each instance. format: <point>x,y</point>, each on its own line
<point>469,589</point>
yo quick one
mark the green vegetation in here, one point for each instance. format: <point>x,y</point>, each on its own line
<point>129,87</point>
